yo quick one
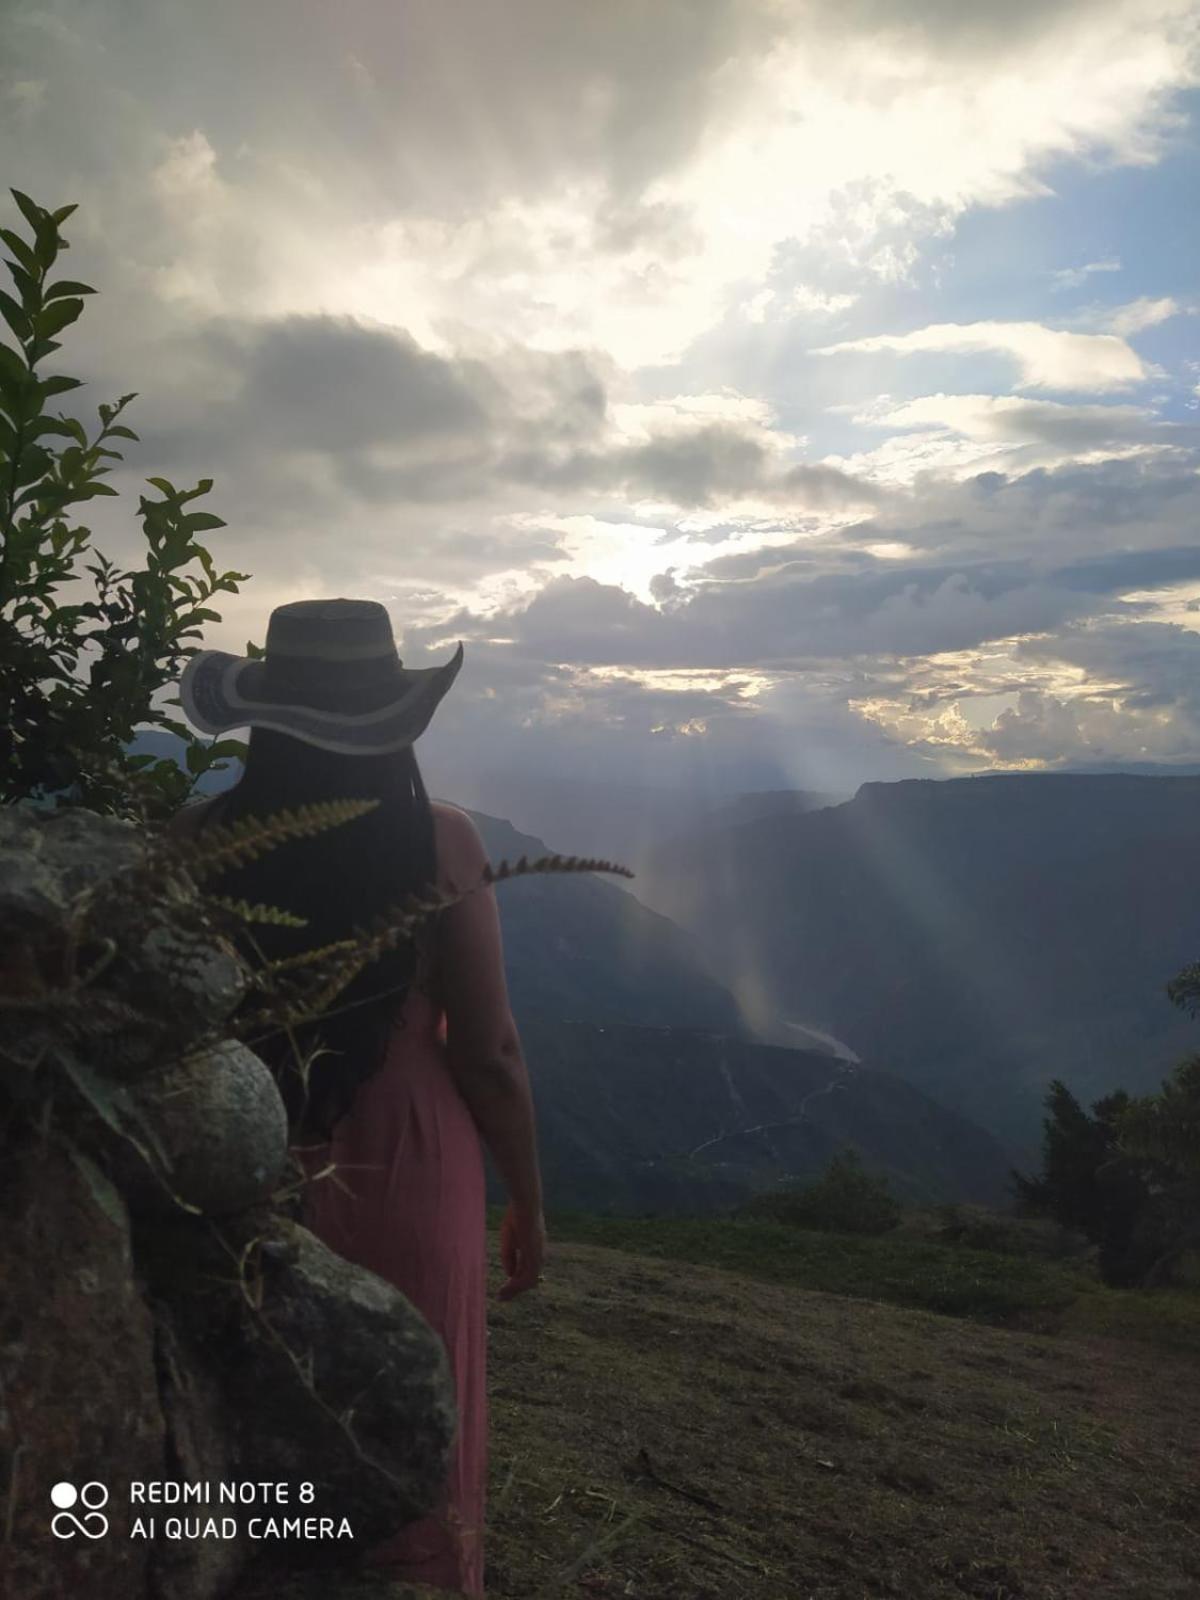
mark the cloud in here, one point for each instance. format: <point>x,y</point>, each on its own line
<point>1047,358</point>
<point>494,313</point>
<point>1145,312</point>
<point>961,432</point>
<point>802,300</point>
<point>1073,277</point>
<point>616,179</point>
<point>369,414</point>
<point>1145,706</point>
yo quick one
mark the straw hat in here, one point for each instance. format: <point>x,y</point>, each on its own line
<point>331,677</point>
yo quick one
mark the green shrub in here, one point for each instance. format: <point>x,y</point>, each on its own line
<point>977,1228</point>
<point>78,679</point>
<point>844,1199</point>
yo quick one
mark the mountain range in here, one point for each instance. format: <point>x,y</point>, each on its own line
<point>647,1074</point>
<point>673,1119</point>
<point>976,936</point>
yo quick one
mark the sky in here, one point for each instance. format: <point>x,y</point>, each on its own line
<point>767,394</point>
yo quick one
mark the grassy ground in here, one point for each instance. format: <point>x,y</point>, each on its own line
<point>734,1410</point>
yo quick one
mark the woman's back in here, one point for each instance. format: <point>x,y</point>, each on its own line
<point>406,1197</point>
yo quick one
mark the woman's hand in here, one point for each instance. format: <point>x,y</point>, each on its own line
<point>522,1250</point>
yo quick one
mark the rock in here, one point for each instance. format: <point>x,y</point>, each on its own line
<point>182,972</point>
<point>68,905</point>
<point>49,859</point>
<point>218,1119</point>
<point>377,1442</point>
<point>200,1437</point>
<point>141,1341</point>
<point>77,1378</point>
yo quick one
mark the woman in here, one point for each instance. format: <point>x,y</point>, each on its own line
<point>421,1053</point>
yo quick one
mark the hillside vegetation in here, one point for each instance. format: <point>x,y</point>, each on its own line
<point>664,1428</point>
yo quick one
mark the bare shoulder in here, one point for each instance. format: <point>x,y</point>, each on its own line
<point>460,851</point>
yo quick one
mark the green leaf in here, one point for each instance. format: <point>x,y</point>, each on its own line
<point>120,431</point>
<point>50,495</point>
<point>203,522</point>
<point>12,368</point>
<point>15,316</point>
<point>53,386</point>
<point>32,463</point>
<point>163,487</point>
<point>21,250</point>
<point>202,487</point>
<point>40,348</point>
<point>26,284</point>
<point>46,248</point>
<point>56,317</point>
<point>31,212</point>
<point>61,215</point>
<point>66,286</point>
<point>197,758</point>
<point>61,426</point>
<point>77,432</point>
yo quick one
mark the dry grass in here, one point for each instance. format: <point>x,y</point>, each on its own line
<point>662,1429</point>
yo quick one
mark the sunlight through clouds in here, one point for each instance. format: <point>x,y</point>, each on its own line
<point>736,376</point>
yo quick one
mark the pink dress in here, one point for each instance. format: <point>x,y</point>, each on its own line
<point>409,1200</point>
<point>409,1153</point>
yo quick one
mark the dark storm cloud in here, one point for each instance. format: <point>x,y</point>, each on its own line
<point>1127,570</point>
<point>695,469</point>
<point>397,423</point>
<point>326,383</point>
<point>1158,663</point>
<point>392,104</point>
<point>809,602</point>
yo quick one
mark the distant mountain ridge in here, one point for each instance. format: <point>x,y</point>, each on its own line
<point>978,936</point>
<point>621,1108</point>
<point>579,947</point>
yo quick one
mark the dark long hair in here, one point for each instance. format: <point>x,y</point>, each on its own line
<point>338,880</point>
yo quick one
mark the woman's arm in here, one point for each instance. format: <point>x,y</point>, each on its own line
<point>482,1043</point>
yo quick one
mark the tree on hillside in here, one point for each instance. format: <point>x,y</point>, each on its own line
<point>844,1198</point>
<point>1165,1128</point>
<point>1089,1181</point>
<point>77,679</point>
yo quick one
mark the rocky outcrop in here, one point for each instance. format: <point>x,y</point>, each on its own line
<point>220,1126</point>
<point>162,1319</point>
<point>76,1373</point>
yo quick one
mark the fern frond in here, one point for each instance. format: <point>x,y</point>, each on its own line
<point>387,931</point>
<point>307,958</point>
<point>392,926</point>
<point>272,915</point>
<point>218,848</point>
<point>553,864</point>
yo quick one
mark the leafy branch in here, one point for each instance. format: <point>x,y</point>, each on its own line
<point>78,679</point>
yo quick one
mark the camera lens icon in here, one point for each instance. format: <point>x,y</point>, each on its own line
<point>65,1524</point>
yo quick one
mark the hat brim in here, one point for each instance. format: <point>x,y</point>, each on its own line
<point>208,692</point>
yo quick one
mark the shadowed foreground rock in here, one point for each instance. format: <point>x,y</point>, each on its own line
<point>201,1339</point>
